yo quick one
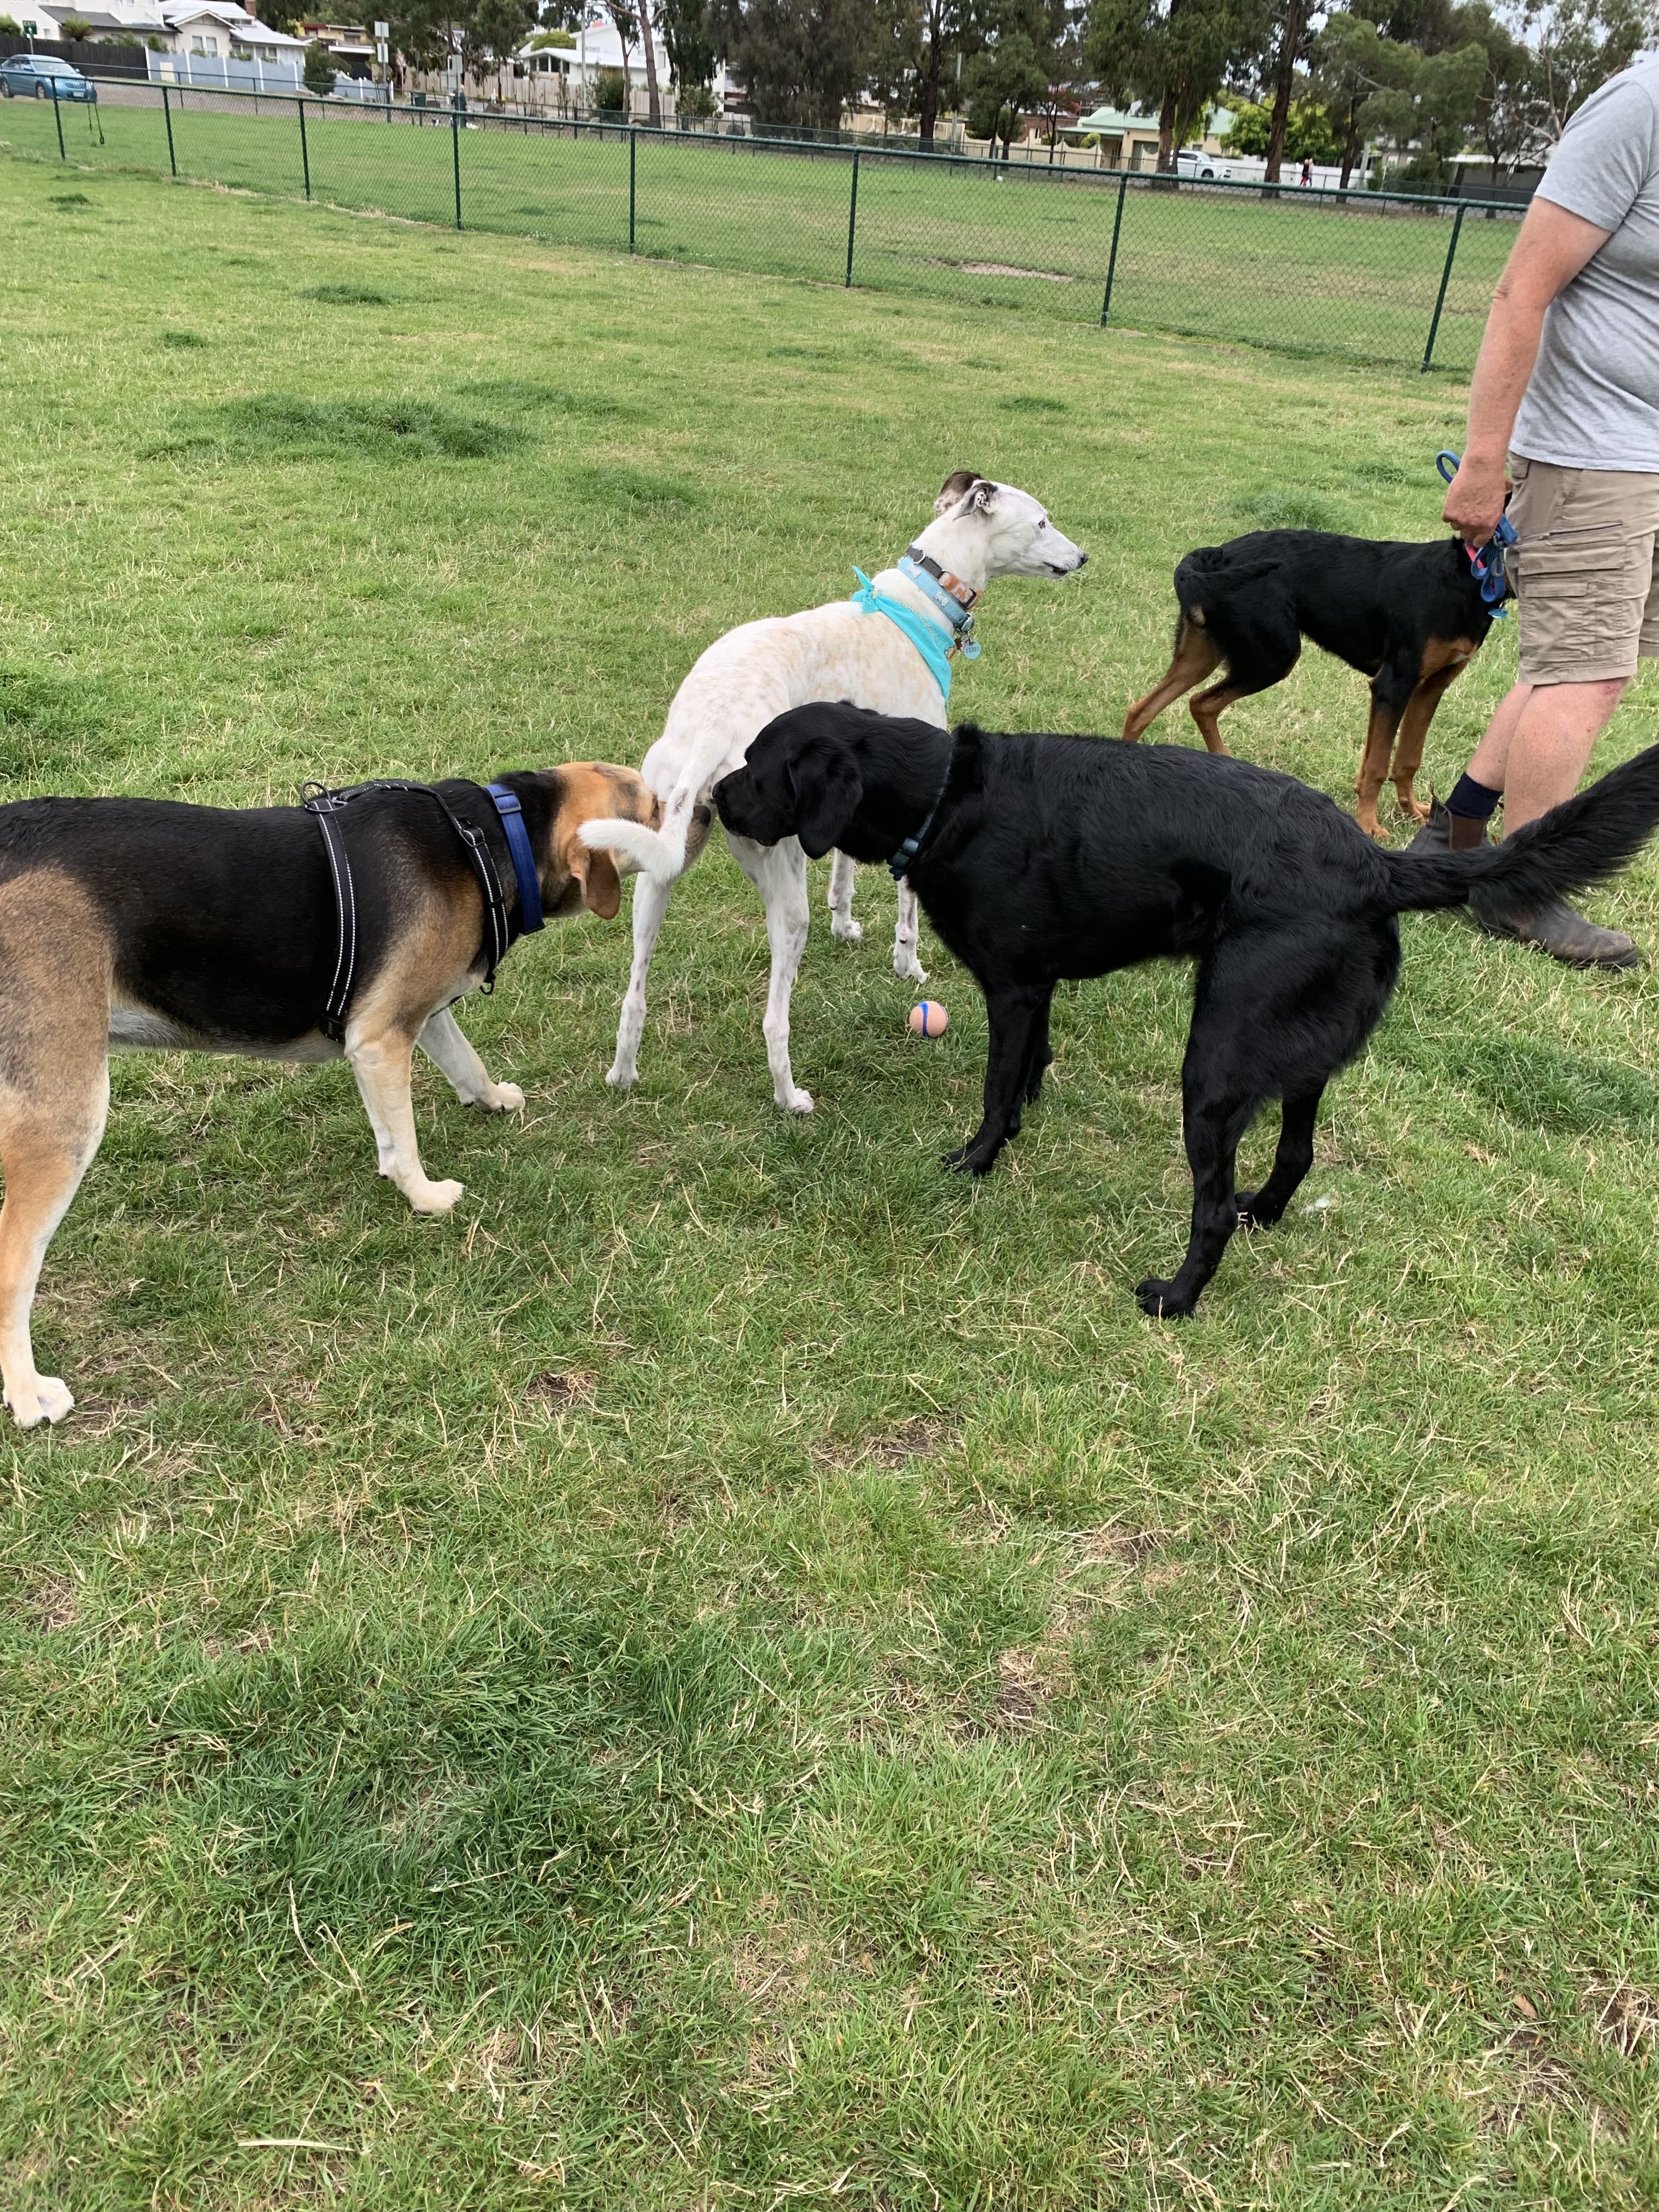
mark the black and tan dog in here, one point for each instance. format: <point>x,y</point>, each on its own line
<point>1410,617</point>
<point>130,922</point>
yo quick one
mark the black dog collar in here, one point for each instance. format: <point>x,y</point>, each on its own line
<point>898,867</point>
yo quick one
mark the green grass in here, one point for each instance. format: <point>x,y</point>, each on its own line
<point>1356,283</point>
<point>739,1669</point>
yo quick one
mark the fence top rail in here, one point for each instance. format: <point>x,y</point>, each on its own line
<point>1359,195</point>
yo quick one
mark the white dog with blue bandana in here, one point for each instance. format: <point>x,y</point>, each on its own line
<point>887,647</point>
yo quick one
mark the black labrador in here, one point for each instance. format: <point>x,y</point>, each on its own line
<point>1410,617</point>
<point>1039,857</point>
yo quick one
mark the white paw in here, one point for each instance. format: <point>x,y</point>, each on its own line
<point>503,1098</point>
<point>908,969</point>
<point>621,1076</point>
<point>433,1197</point>
<point>49,1401</point>
<point>795,1101</point>
<point>844,926</point>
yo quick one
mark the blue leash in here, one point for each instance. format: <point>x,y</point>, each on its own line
<point>1486,561</point>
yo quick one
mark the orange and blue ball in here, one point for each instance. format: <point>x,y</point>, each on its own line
<point>929,1019</point>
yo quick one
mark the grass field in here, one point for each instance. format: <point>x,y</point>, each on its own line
<point>739,1669</point>
<point>1283,274</point>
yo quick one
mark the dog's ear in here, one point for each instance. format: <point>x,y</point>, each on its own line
<point>596,874</point>
<point>956,486</point>
<point>828,788</point>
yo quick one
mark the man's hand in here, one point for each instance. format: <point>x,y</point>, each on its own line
<point>1475,499</point>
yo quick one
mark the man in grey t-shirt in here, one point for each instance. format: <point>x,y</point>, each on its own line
<point>1568,384</point>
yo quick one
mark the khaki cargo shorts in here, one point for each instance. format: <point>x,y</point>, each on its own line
<point>1584,571</point>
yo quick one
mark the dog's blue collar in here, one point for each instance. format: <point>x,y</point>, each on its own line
<point>953,599</point>
<point>524,860</point>
<point>922,634</point>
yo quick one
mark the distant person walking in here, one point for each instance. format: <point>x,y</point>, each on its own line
<point>1307,172</point>
<point>1567,384</point>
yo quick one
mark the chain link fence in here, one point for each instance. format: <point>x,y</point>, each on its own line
<point>1356,276</point>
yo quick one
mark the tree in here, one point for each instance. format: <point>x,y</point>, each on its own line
<point>319,70</point>
<point>802,60</point>
<point>910,41</point>
<point>1353,64</point>
<point>1577,45</point>
<point>689,40</point>
<point>1293,44</point>
<point>1308,134</point>
<point>1432,110</point>
<point>652,94</point>
<point>999,84</point>
<point>1174,54</point>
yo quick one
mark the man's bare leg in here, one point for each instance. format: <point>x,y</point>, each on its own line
<point>1537,743</point>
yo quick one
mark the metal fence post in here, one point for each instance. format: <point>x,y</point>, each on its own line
<point>1111,266</point>
<point>305,150</point>
<point>633,150</point>
<point>1445,279</point>
<point>57,118</point>
<point>852,218</point>
<point>166,110</point>
<point>455,148</point>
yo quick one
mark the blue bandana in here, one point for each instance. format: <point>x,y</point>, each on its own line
<point>922,634</point>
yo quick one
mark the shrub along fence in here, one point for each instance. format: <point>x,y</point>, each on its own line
<point>1358,276</point>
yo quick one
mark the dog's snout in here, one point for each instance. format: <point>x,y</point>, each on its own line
<point>1082,558</point>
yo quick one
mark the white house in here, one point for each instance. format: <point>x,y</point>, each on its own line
<point>218,43</point>
<point>564,77</point>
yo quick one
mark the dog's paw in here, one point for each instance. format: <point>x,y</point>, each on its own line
<point>621,1075</point>
<point>1414,810</point>
<point>795,1100</point>
<point>970,1159</point>
<point>1158,1299</point>
<point>504,1098</point>
<point>844,926</point>
<point>49,1400</point>
<point>433,1197</point>
<point>1253,1214</point>
<point>908,969</point>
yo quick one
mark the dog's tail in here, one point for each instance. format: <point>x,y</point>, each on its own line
<point>1196,573</point>
<point>659,853</point>
<point>664,853</point>
<point>1578,843</point>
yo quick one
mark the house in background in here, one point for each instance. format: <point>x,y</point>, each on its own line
<point>217,43</point>
<point>350,45</point>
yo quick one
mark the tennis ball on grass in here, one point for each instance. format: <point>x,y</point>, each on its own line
<point>929,1019</point>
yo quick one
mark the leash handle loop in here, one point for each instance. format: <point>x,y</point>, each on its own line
<point>1485,561</point>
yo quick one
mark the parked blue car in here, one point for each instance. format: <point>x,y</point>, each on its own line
<point>36,77</point>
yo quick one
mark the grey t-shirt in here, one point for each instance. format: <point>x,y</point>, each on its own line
<point>1593,401</point>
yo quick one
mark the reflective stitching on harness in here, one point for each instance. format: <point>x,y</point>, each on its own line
<point>324,805</point>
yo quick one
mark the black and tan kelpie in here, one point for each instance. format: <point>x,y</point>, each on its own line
<point>1039,858</point>
<point>1410,617</point>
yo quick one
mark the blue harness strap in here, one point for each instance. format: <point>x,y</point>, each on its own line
<point>524,860</point>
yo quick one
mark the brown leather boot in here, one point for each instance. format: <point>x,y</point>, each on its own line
<point>1446,832</point>
<point>1557,929</point>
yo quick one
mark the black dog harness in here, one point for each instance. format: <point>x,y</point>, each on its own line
<point>325,805</point>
